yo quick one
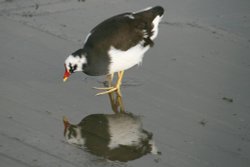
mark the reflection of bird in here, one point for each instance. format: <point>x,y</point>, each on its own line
<point>115,137</point>
<point>116,45</point>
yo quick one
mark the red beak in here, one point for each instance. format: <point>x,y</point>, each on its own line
<point>66,74</point>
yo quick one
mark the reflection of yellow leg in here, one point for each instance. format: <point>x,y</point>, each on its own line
<point>111,95</point>
<point>120,103</point>
<point>111,88</point>
<point>116,102</point>
<point>113,105</point>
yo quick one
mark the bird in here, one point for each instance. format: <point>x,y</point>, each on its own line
<point>115,45</point>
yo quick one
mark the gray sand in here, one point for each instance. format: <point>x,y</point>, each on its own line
<point>192,90</point>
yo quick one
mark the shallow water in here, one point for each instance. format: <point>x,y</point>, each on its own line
<point>178,90</point>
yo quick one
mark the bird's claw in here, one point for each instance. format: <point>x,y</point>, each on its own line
<point>108,90</point>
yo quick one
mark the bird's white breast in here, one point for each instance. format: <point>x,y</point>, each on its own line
<point>125,130</point>
<point>123,60</point>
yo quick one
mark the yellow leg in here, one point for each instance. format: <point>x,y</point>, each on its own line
<point>112,89</point>
<point>110,79</point>
<point>119,82</point>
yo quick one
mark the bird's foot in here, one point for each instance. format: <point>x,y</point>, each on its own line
<point>103,88</point>
<point>111,89</point>
<point>108,90</point>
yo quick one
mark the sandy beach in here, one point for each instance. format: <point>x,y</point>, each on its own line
<point>192,90</point>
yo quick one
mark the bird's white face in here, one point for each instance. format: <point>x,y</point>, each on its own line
<point>155,23</point>
<point>73,64</point>
<point>72,133</point>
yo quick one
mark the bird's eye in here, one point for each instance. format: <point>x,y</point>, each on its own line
<point>72,68</point>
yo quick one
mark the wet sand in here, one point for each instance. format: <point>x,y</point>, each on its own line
<point>192,90</point>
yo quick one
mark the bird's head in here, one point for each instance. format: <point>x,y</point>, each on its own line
<point>72,133</point>
<point>74,62</point>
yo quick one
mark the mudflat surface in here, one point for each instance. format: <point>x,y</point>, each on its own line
<point>192,89</point>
